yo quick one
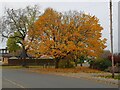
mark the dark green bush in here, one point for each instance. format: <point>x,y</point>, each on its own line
<point>81,60</point>
<point>66,64</point>
<point>100,64</point>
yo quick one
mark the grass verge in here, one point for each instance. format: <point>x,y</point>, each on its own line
<point>110,77</point>
<point>11,67</point>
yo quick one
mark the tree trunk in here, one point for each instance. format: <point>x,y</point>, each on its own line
<point>68,63</point>
<point>57,63</point>
<point>23,56</point>
<point>24,62</point>
<point>81,64</point>
<point>75,62</point>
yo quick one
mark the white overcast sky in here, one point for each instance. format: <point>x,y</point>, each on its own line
<point>96,7</point>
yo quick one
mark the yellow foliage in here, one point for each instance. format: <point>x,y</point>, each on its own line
<point>58,35</point>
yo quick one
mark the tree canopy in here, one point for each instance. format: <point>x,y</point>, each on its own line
<point>72,33</point>
<point>12,43</point>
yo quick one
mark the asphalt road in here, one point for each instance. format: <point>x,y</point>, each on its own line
<point>23,79</point>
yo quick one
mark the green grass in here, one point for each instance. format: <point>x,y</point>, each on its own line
<point>110,76</point>
<point>11,67</point>
<point>116,77</point>
<point>35,66</point>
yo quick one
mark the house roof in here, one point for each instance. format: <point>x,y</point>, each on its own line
<point>13,58</point>
<point>7,55</point>
<point>21,55</point>
<point>46,57</point>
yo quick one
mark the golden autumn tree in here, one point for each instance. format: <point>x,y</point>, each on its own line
<point>69,34</point>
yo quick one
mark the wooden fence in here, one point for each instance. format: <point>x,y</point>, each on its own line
<point>43,62</point>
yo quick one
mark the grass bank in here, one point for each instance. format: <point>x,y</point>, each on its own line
<point>110,76</point>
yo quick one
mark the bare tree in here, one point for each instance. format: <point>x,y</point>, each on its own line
<point>19,21</point>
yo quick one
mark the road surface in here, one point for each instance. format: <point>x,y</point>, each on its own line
<point>23,79</point>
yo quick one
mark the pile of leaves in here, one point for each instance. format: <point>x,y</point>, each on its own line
<point>65,70</point>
